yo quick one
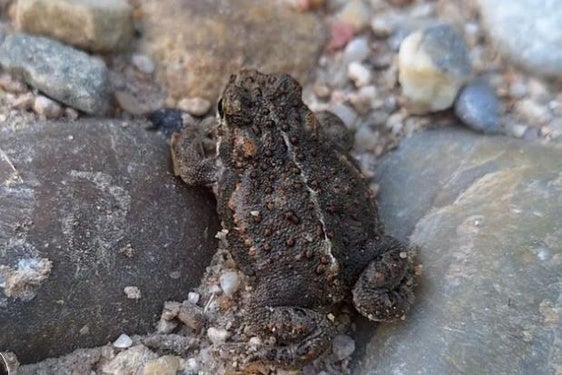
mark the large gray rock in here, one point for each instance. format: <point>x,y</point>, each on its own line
<point>65,74</point>
<point>529,32</point>
<point>90,215</point>
<point>486,214</point>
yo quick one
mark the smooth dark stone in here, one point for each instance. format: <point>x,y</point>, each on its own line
<point>86,209</point>
<point>485,213</point>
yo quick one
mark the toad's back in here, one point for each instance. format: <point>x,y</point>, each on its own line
<point>296,209</point>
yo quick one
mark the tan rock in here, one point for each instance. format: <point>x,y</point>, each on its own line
<point>101,25</point>
<point>196,47</point>
<point>166,365</point>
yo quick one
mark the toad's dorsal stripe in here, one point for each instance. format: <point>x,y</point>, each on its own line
<point>326,249</point>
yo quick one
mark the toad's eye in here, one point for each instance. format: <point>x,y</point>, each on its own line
<point>220,108</point>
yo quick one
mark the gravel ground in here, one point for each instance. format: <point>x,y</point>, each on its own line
<point>356,77</point>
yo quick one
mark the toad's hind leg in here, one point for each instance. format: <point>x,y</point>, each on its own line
<point>300,335</point>
<point>384,290</point>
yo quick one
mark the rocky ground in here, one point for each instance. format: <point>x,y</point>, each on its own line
<point>400,73</point>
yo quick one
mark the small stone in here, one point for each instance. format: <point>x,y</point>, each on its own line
<point>359,74</point>
<point>478,107</point>
<point>230,282</point>
<point>24,101</point>
<point>102,25</point>
<point>357,50</point>
<point>345,113</point>
<point>217,335</point>
<point>193,297</point>
<point>365,139</point>
<point>516,130</point>
<point>132,292</point>
<point>533,112</point>
<point>166,326</point>
<point>10,84</point>
<point>123,342</point>
<point>322,91</point>
<point>340,34</point>
<point>433,65</point>
<point>46,107</point>
<point>166,120</point>
<point>194,106</point>
<point>363,101</point>
<point>130,361</point>
<point>71,113</point>
<point>354,13</point>
<point>342,346</point>
<point>143,63</point>
<point>63,73</point>
<point>165,365</point>
<point>192,365</point>
<point>191,315</point>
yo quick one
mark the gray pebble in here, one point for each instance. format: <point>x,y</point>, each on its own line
<point>123,342</point>
<point>143,63</point>
<point>65,74</point>
<point>230,282</point>
<point>343,346</point>
<point>356,50</point>
<point>478,107</point>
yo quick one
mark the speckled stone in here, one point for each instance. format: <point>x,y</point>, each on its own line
<point>63,73</point>
<point>485,213</point>
<point>88,208</point>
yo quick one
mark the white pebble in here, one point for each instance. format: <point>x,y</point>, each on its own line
<point>343,346</point>
<point>359,74</point>
<point>192,365</point>
<point>132,292</point>
<point>217,335</point>
<point>123,342</point>
<point>194,106</point>
<point>143,63</point>
<point>193,297</point>
<point>355,13</point>
<point>356,50</point>
<point>230,282</point>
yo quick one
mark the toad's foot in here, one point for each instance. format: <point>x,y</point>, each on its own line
<point>383,291</point>
<point>300,334</point>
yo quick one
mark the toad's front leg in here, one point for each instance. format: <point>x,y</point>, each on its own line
<point>300,335</point>
<point>190,162</point>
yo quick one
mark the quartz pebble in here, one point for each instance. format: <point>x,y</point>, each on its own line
<point>194,106</point>
<point>217,335</point>
<point>123,342</point>
<point>478,107</point>
<point>230,282</point>
<point>433,65</point>
<point>356,50</point>
<point>143,63</point>
<point>359,74</point>
<point>342,346</point>
<point>193,297</point>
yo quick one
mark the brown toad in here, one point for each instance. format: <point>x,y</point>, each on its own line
<point>300,217</point>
